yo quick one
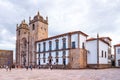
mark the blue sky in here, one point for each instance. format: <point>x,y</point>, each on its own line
<point>89,16</point>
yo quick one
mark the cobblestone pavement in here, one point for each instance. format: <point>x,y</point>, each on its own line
<point>46,74</point>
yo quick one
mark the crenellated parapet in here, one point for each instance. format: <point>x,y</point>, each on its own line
<point>38,17</point>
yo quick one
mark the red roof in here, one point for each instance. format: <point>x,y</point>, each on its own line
<point>116,45</point>
<point>101,38</point>
<point>80,32</point>
<point>107,38</point>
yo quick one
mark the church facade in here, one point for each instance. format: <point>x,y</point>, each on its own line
<point>26,36</point>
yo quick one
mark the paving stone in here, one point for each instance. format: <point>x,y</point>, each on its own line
<point>46,74</point>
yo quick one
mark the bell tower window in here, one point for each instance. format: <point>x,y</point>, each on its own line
<point>18,32</point>
<point>33,27</point>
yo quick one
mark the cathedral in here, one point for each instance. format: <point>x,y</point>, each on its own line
<point>26,36</point>
<point>67,50</point>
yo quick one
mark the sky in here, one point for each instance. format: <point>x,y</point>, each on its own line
<point>88,16</point>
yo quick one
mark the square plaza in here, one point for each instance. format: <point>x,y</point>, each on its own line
<point>47,74</point>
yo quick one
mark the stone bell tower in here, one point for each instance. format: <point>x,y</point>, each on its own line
<point>38,30</point>
<point>26,36</point>
<point>22,55</point>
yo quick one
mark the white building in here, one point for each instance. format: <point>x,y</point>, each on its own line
<point>117,55</point>
<point>65,50</point>
<point>99,52</point>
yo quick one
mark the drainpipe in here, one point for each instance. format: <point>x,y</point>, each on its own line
<point>97,50</point>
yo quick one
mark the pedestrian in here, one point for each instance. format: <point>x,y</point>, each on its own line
<point>51,67</point>
<point>6,68</point>
<point>26,67</point>
<point>10,68</point>
<point>31,66</point>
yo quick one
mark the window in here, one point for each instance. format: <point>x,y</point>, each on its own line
<point>73,44</point>
<point>64,43</point>
<point>57,60</point>
<point>64,61</point>
<point>44,57</point>
<point>105,54</point>
<point>39,62</point>
<point>56,54</point>
<point>57,44</point>
<point>24,32</point>
<point>33,27</point>
<point>50,45</point>
<point>39,47</point>
<point>50,54</point>
<point>118,50</point>
<point>64,53</point>
<point>19,33</point>
<point>102,53</point>
<point>44,45</point>
<point>118,62</point>
<point>43,60</point>
<point>83,45</point>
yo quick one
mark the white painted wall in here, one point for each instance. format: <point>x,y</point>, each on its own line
<point>74,38</point>
<point>92,55</point>
<point>117,56</point>
<point>92,52</point>
<point>103,46</point>
<point>82,40</point>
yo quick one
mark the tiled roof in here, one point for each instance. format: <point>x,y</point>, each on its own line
<point>63,35</point>
<point>101,39</point>
<point>116,45</point>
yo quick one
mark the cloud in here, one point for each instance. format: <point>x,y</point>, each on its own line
<point>91,17</point>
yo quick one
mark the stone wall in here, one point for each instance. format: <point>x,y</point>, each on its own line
<point>6,57</point>
<point>99,66</point>
<point>77,58</point>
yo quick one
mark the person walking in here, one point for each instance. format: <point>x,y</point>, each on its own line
<point>31,66</point>
<point>26,68</point>
<point>10,68</point>
<point>6,67</point>
<point>51,67</point>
